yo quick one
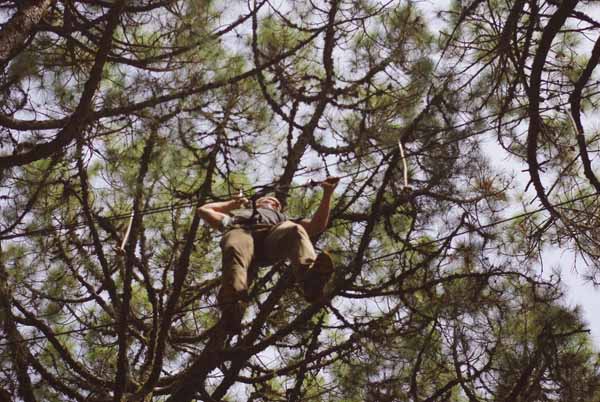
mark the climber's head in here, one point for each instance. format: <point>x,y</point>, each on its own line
<point>269,202</point>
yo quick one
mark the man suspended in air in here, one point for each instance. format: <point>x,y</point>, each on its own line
<point>264,237</point>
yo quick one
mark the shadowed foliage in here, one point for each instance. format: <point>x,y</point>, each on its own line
<point>124,116</point>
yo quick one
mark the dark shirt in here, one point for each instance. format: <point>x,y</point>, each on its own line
<point>263,216</point>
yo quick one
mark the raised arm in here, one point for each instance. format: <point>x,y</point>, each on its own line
<point>320,219</point>
<point>213,213</point>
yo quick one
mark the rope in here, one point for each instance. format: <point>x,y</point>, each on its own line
<point>76,331</point>
<point>381,257</point>
<point>122,248</point>
<point>169,207</point>
<point>405,171</point>
<point>486,226</point>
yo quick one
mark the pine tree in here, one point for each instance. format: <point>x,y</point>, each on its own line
<point>123,117</point>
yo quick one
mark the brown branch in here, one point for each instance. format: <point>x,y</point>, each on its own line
<point>123,324</point>
<point>535,122</point>
<point>317,358</point>
<point>296,393</point>
<point>20,26</point>
<point>130,9</point>
<point>18,351</point>
<point>24,125</point>
<point>33,199</point>
<point>144,63</point>
<point>79,119</point>
<point>107,280</point>
<point>575,99</point>
<point>307,135</point>
<point>521,386</point>
<point>93,379</point>
<point>261,79</point>
<point>179,276</point>
<point>192,380</point>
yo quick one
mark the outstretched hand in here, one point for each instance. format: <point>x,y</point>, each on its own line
<point>239,201</point>
<point>330,183</point>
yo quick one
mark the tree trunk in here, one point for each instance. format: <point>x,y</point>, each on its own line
<point>18,28</point>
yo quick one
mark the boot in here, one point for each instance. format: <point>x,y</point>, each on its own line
<point>232,314</point>
<point>317,277</point>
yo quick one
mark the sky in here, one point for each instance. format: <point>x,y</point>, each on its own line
<point>578,291</point>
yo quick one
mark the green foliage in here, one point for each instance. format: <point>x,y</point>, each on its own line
<point>431,300</point>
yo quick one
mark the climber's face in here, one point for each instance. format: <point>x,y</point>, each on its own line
<point>268,202</point>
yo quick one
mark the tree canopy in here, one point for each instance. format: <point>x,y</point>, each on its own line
<point>124,116</point>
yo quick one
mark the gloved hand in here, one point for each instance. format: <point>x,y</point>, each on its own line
<point>239,201</point>
<point>330,183</point>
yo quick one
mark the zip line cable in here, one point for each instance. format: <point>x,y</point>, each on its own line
<point>381,257</point>
<point>170,207</point>
<point>93,327</point>
<point>273,185</point>
<point>486,226</point>
<point>164,208</point>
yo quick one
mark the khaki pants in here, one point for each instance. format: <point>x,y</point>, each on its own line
<point>243,248</point>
